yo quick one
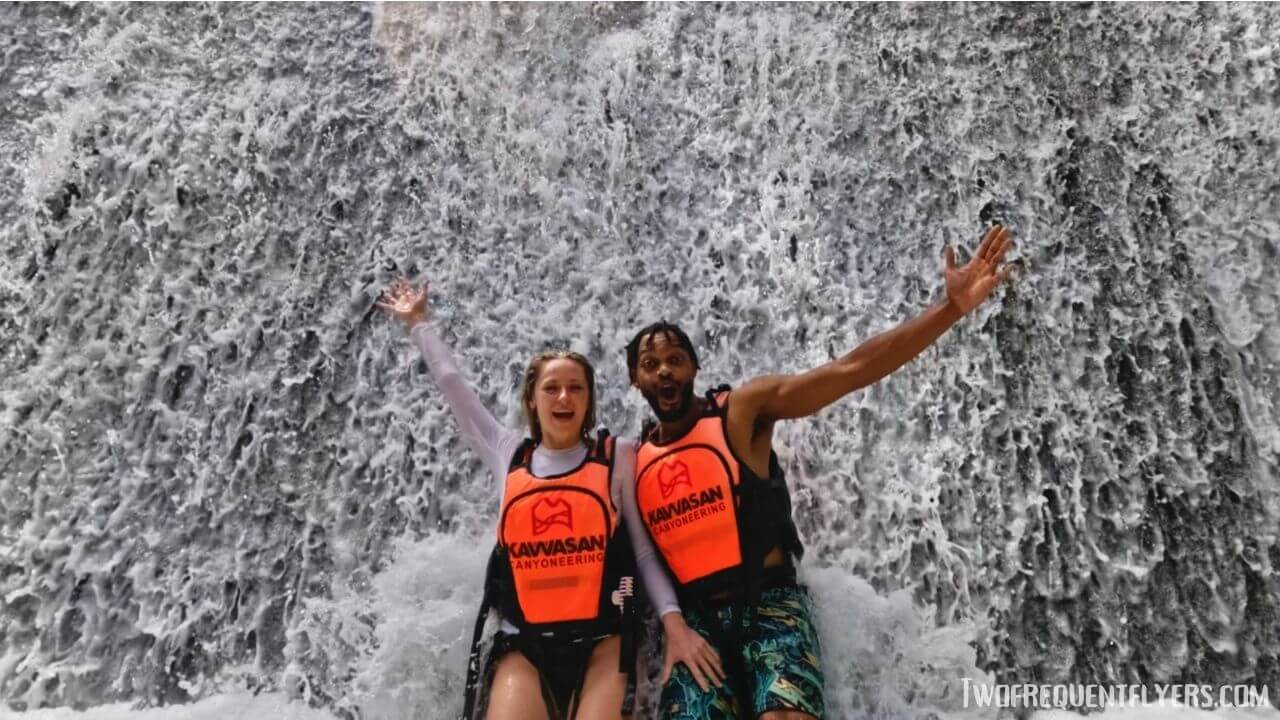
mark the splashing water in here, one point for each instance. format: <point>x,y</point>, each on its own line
<point>222,471</point>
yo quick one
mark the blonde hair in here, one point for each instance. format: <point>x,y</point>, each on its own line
<point>531,374</point>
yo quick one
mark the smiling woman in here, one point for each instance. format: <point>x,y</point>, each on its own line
<point>214,459</point>
<point>560,574</point>
<point>559,398</point>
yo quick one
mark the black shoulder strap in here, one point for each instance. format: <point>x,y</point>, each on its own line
<point>521,456</point>
<point>713,404</point>
<point>602,451</point>
<point>789,535</point>
<point>474,661</point>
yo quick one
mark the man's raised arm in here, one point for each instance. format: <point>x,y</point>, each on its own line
<point>781,397</point>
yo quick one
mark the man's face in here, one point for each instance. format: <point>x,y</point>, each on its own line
<point>664,375</point>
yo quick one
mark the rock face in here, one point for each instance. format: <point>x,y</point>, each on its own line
<point>212,447</point>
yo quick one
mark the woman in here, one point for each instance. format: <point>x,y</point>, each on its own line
<point>556,572</point>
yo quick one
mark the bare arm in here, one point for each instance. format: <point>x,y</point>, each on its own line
<point>779,397</point>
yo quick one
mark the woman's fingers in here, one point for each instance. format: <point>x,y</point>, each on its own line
<point>709,669</point>
<point>713,659</point>
<point>698,676</point>
<point>669,666</point>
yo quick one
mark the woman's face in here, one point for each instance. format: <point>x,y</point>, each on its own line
<point>560,401</point>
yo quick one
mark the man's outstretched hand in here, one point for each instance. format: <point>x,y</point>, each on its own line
<point>969,285</point>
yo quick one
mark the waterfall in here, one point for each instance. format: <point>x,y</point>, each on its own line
<point>222,469</point>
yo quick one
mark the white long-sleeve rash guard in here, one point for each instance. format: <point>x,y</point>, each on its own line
<point>497,444</point>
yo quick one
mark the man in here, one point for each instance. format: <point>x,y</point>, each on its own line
<point>710,492</point>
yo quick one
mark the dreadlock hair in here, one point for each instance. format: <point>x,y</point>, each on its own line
<point>534,371</point>
<point>670,331</point>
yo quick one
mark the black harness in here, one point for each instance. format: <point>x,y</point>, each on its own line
<point>763,507</point>
<point>559,651</point>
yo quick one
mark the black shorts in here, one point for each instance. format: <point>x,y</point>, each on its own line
<point>561,665</point>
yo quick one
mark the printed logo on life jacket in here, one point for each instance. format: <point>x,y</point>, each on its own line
<point>551,511</point>
<point>555,552</point>
<point>671,474</point>
<point>559,546</point>
<point>691,507</point>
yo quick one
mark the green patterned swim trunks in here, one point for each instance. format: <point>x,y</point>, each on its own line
<point>781,658</point>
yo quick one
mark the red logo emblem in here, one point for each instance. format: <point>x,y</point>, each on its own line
<point>671,474</point>
<point>550,511</point>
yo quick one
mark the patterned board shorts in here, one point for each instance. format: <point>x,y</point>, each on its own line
<point>781,658</point>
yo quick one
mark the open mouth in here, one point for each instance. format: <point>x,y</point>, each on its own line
<point>563,415</point>
<point>668,393</point>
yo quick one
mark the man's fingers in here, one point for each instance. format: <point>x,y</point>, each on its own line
<point>951,257</point>
<point>987,240</point>
<point>1006,242</point>
<point>998,255</point>
<point>999,237</point>
<point>982,248</point>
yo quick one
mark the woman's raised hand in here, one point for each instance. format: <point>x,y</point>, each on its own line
<point>404,301</point>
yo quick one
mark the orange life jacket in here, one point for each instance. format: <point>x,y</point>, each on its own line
<point>561,568</point>
<point>554,532</point>
<point>708,514</point>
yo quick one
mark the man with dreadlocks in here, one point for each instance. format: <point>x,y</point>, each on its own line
<point>711,493</point>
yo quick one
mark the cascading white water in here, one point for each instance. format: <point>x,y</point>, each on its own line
<point>220,468</point>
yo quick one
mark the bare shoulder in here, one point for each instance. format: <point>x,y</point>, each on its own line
<point>755,392</point>
<point>748,402</point>
<point>750,431</point>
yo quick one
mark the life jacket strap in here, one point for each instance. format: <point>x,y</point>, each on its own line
<point>474,661</point>
<point>628,652</point>
<point>600,451</point>
<point>521,456</point>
